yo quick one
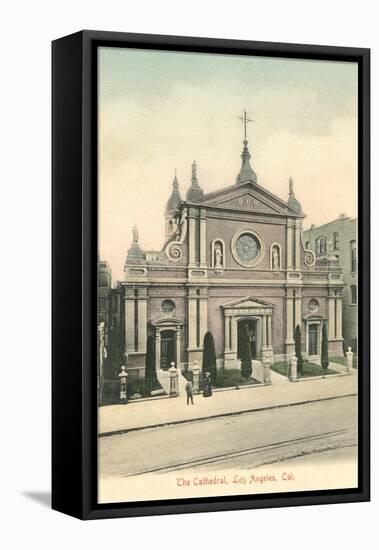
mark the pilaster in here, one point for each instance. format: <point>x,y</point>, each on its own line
<point>203,238</point>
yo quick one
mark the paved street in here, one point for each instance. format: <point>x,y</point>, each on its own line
<point>310,433</point>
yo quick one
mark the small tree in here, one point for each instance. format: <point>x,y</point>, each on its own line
<point>298,350</point>
<point>245,353</point>
<point>150,370</point>
<point>209,356</point>
<point>324,347</point>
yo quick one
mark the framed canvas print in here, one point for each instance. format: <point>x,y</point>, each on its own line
<point>210,274</point>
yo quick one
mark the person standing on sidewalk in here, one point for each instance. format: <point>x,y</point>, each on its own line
<point>207,388</point>
<point>189,392</point>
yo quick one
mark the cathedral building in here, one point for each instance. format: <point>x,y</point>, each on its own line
<point>232,260</point>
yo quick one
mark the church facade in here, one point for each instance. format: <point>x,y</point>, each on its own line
<point>232,260</point>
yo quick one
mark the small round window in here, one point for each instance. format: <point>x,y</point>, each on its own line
<point>313,305</point>
<point>168,306</point>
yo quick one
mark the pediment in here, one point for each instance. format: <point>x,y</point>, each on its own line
<point>249,198</point>
<point>248,303</point>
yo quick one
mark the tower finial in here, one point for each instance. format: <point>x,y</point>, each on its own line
<point>135,234</point>
<point>292,201</point>
<point>290,182</point>
<point>194,168</point>
<point>246,174</point>
<point>195,191</point>
<point>245,121</point>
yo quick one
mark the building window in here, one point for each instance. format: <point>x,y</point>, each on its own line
<point>353,290</point>
<point>353,256</point>
<point>307,245</point>
<point>336,241</point>
<point>321,246</point>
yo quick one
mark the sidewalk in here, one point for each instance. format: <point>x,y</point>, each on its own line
<point>115,419</point>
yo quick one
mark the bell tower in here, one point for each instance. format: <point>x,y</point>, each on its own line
<point>171,207</point>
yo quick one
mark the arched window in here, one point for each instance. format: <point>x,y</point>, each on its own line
<point>307,245</point>
<point>353,256</point>
<point>218,254</point>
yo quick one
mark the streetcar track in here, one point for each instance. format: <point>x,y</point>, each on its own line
<point>243,452</point>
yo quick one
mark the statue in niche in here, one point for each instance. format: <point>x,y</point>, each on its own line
<point>218,257</point>
<point>275,258</point>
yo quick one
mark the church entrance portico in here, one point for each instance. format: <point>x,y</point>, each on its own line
<point>168,342</point>
<point>254,318</point>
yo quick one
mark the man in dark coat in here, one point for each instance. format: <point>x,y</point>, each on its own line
<point>189,392</point>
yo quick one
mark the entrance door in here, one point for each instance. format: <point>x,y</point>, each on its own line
<point>168,348</point>
<point>313,340</point>
<point>247,330</point>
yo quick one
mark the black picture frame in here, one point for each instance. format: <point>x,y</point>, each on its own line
<point>74,271</point>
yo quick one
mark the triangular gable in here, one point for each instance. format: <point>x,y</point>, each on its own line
<point>248,197</point>
<point>247,303</point>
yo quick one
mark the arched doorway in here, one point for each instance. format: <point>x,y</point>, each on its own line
<point>168,348</point>
<point>247,328</point>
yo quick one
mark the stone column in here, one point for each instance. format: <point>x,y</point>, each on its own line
<point>298,308</point>
<point>289,342</point>
<point>203,238</point>
<point>269,349</point>
<point>266,370</point>
<point>293,368</point>
<point>289,321</point>
<point>349,357</point>
<point>269,341</point>
<point>259,337</point>
<point>174,385</point>
<point>264,332</point>
<point>233,343</point>
<point>289,244</point>
<point>129,325</point>
<point>192,237</point>
<point>297,245</point>
<point>196,378</point>
<point>339,317</point>
<point>178,346</point>
<point>203,319</point>
<point>226,333</point>
<point>331,317</point>
<point>192,344</point>
<point>157,348</point>
<point>142,325</point>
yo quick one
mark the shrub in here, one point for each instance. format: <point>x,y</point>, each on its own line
<point>150,370</point>
<point>324,347</point>
<point>245,353</point>
<point>209,357</point>
<point>298,350</point>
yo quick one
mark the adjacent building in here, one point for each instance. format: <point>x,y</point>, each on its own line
<point>232,260</point>
<point>338,240</point>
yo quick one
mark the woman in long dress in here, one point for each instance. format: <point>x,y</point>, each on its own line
<point>207,389</point>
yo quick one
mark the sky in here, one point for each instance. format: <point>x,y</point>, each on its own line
<point>159,111</point>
